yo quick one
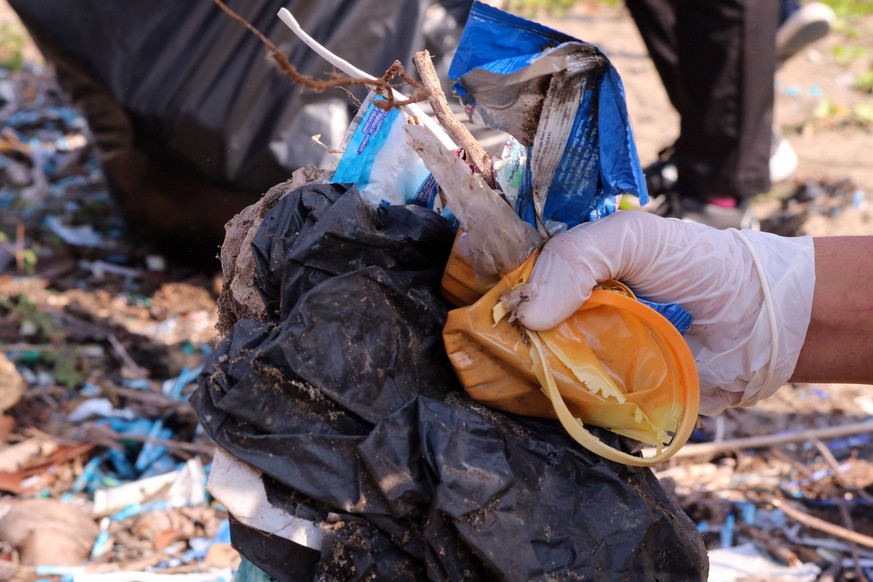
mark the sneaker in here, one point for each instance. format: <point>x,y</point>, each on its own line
<point>803,26</point>
<point>665,200</point>
<point>693,210</point>
<point>662,174</point>
<point>783,159</point>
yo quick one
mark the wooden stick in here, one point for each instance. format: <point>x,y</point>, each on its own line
<point>832,462</point>
<point>446,117</point>
<point>710,449</point>
<point>822,525</point>
<point>841,503</point>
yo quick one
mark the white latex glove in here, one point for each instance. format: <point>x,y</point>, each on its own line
<point>750,293</point>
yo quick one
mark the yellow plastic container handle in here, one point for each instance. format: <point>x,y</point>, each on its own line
<point>510,368</point>
<point>687,378</point>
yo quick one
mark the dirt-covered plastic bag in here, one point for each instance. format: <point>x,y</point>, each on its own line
<point>342,399</point>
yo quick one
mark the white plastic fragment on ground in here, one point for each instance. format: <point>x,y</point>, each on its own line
<point>77,236</point>
<point>746,563</point>
<point>181,488</point>
<point>98,408</point>
<point>238,487</point>
<point>80,574</point>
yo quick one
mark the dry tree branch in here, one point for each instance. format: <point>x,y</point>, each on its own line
<point>841,503</point>
<point>440,106</point>
<point>381,84</point>
<point>710,449</point>
<point>822,525</point>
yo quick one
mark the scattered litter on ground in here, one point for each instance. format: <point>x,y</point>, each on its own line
<point>102,341</point>
<point>103,465</point>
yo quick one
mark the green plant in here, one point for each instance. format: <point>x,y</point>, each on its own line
<point>66,366</point>
<point>29,317</point>
<point>530,8</point>
<point>864,81</point>
<point>846,54</point>
<point>25,257</point>
<point>12,40</point>
<point>851,8</point>
<point>63,358</point>
<point>863,112</point>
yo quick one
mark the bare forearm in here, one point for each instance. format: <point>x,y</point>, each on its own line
<point>839,342</point>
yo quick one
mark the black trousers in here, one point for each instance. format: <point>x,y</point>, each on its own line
<point>716,59</point>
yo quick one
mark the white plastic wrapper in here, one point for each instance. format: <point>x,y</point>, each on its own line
<point>378,159</point>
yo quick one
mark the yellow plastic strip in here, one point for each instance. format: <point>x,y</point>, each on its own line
<point>574,426</point>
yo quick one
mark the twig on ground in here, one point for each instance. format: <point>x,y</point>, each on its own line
<point>822,525</point>
<point>841,503</point>
<point>182,446</point>
<point>829,458</point>
<point>710,449</point>
<point>131,367</point>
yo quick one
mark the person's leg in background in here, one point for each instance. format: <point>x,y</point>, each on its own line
<point>717,63</point>
<point>800,25</point>
<point>656,22</point>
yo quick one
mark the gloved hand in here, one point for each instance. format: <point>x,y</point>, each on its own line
<point>750,293</point>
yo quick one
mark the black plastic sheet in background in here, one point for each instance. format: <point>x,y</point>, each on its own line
<point>192,120</point>
<point>347,403</point>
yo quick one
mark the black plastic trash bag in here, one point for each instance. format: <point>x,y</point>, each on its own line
<point>345,400</point>
<point>192,120</point>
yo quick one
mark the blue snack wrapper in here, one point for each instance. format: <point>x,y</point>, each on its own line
<point>562,99</point>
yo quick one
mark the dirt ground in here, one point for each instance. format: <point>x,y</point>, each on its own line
<point>149,323</point>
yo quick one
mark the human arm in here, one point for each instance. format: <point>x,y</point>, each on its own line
<point>839,340</point>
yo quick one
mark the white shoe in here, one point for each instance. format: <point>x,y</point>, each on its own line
<point>783,159</point>
<point>804,26</point>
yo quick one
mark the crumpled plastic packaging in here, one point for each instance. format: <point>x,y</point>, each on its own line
<point>562,99</point>
<point>615,364</point>
<point>572,155</point>
<point>620,364</point>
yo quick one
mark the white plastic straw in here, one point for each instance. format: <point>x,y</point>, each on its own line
<point>354,72</point>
